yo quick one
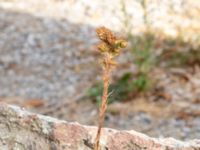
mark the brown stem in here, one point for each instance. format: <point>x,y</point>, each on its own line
<point>109,47</point>
<point>102,110</point>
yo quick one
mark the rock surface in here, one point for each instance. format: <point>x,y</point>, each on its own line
<point>22,130</point>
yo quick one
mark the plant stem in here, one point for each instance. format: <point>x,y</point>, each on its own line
<point>109,47</point>
<point>102,110</point>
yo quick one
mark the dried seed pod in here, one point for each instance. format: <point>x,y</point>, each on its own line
<point>103,47</point>
<point>120,43</point>
<point>115,52</point>
<point>111,39</point>
<point>105,35</point>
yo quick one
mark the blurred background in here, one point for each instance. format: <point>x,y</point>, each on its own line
<point>49,62</point>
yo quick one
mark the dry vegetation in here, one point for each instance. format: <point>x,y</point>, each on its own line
<point>109,47</point>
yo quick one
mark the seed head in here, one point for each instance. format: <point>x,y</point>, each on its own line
<point>110,44</point>
<point>105,35</point>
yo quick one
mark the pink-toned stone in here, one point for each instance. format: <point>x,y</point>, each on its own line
<point>70,136</point>
<point>22,130</point>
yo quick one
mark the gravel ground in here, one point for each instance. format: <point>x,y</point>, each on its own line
<point>47,52</point>
<point>42,58</point>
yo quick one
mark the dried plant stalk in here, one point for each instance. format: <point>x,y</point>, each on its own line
<point>102,109</point>
<point>109,47</point>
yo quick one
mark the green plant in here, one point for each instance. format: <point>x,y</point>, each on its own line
<point>121,89</point>
<point>109,47</point>
<point>142,47</point>
<point>142,83</point>
<point>118,90</point>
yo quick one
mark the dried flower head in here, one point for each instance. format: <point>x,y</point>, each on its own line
<point>110,44</point>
